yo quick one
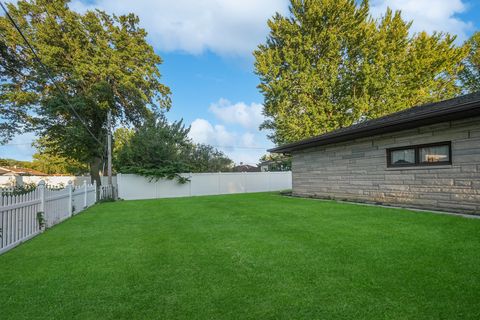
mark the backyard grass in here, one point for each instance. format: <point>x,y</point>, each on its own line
<point>255,256</point>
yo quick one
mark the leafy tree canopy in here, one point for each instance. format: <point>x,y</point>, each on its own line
<point>277,161</point>
<point>329,64</point>
<point>102,63</point>
<point>470,75</point>
<point>159,149</point>
<point>5,162</point>
<point>205,158</point>
<point>48,161</point>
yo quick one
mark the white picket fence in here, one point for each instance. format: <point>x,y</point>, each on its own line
<point>21,215</point>
<point>57,181</point>
<point>108,192</point>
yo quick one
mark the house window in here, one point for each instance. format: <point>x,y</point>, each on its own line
<point>420,155</point>
<point>435,154</point>
<point>403,157</point>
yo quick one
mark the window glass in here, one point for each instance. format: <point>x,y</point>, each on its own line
<point>435,154</point>
<point>406,156</point>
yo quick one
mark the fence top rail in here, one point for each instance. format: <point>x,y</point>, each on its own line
<point>219,173</point>
<point>19,205</point>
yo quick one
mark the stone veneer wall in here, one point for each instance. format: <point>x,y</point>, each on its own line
<point>357,170</point>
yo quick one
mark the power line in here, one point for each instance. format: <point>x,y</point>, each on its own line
<point>49,75</point>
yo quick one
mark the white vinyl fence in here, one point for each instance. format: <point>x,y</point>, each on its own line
<point>22,215</point>
<point>131,187</point>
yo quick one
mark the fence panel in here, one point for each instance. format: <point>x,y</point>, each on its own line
<point>78,201</point>
<point>204,184</point>
<point>18,218</point>
<point>83,197</point>
<point>57,204</point>
<point>20,213</point>
<point>91,195</point>
<point>132,187</point>
<point>231,183</point>
<point>258,182</point>
<point>107,192</point>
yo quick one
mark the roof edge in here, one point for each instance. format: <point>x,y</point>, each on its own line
<point>455,112</point>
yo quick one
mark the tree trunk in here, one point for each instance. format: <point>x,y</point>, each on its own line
<point>95,170</point>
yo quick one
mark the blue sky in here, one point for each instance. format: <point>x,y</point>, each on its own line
<point>206,47</point>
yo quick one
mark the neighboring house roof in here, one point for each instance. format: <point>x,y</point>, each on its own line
<point>20,171</point>
<point>453,109</point>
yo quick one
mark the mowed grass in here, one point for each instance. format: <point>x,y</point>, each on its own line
<point>255,256</point>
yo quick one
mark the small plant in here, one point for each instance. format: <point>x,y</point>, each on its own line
<point>41,219</point>
<point>57,187</point>
<point>15,191</point>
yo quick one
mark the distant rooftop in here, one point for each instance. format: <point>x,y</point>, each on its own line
<point>17,171</point>
<point>453,109</point>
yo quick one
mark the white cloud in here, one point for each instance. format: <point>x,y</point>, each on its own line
<point>429,15</point>
<point>202,131</point>
<point>236,27</point>
<point>226,27</point>
<point>246,147</point>
<point>248,116</point>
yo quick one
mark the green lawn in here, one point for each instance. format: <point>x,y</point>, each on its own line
<point>256,256</point>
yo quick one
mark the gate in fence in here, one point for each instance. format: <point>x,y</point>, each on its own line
<point>25,214</point>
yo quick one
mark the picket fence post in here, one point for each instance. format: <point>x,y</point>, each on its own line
<point>95,184</point>
<point>85,194</point>
<point>41,193</point>
<point>70,198</point>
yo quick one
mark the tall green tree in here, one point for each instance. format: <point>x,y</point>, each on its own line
<point>162,150</point>
<point>102,63</point>
<point>470,74</point>
<point>206,158</point>
<point>329,64</point>
<point>121,138</point>
<point>53,164</point>
<point>157,149</point>
<point>48,163</point>
<point>47,160</point>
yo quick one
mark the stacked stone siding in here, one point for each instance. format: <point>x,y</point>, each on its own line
<point>357,170</point>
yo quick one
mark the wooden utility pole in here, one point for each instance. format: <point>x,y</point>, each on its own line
<point>109,146</point>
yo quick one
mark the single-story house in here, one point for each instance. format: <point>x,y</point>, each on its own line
<point>423,157</point>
